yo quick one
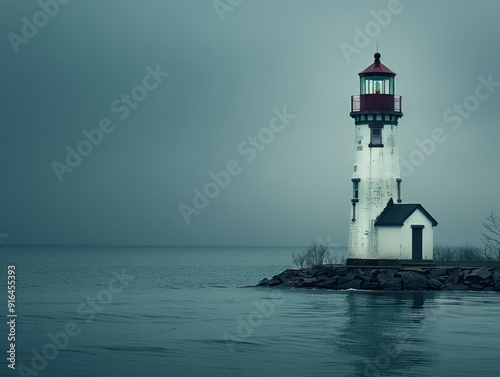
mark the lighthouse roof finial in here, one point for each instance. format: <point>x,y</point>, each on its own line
<point>377,68</point>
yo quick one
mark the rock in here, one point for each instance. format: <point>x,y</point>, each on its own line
<point>293,278</point>
<point>456,287</point>
<point>409,278</point>
<point>435,284</point>
<point>307,274</point>
<point>344,280</point>
<point>323,271</point>
<point>372,285</point>
<point>456,277</point>
<point>263,282</point>
<point>438,271</point>
<point>355,284</point>
<point>486,283</point>
<point>388,282</point>
<point>391,272</point>
<point>306,283</point>
<point>329,283</point>
<point>413,280</point>
<point>454,271</point>
<point>373,273</point>
<point>365,277</point>
<point>442,279</point>
<point>476,287</point>
<point>482,272</point>
<point>273,281</point>
<point>473,278</point>
<point>351,275</point>
<point>342,272</point>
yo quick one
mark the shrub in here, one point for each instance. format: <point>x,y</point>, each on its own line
<point>466,253</point>
<point>315,255</point>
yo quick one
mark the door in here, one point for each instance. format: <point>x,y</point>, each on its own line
<point>416,242</point>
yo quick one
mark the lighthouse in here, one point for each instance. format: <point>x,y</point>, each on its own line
<point>383,230</point>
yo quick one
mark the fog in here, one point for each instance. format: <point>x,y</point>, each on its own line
<point>116,112</point>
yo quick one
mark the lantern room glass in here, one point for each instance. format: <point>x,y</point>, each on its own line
<point>377,85</point>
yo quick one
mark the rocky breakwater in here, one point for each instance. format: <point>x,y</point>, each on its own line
<point>394,279</point>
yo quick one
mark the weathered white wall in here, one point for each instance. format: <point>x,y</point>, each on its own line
<point>390,242</point>
<point>378,169</point>
<point>396,242</point>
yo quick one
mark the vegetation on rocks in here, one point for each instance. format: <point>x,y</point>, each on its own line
<point>316,255</point>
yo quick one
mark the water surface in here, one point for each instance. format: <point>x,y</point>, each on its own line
<point>186,312</point>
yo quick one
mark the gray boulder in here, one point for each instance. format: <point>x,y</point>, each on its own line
<point>372,285</point>
<point>413,280</point>
<point>456,277</point>
<point>456,287</point>
<point>482,273</point>
<point>438,271</point>
<point>263,282</point>
<point>355,284</point>
<point>331,283</point>
<point>311,282</point>
<point>435,284</point>
<point>388,282</point>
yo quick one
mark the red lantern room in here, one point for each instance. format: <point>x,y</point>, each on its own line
<point>376,101</point>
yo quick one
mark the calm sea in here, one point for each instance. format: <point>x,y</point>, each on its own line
<point>139,311</point>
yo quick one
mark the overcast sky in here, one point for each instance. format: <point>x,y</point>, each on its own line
<point>230,70</point>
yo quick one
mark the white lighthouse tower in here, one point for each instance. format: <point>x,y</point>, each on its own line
<point>383,230</point>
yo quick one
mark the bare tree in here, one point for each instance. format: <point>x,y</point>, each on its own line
<point>316,255</point>
<point>491,237</point>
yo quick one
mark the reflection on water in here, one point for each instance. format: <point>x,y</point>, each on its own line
<point>171,319</point>
<point>384,329</point>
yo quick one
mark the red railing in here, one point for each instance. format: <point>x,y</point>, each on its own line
<point>370,102</point>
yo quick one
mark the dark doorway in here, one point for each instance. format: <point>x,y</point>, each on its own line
<point>416,242</point>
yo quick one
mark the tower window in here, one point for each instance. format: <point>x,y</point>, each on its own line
<point>355,189</point>
<point>398,183</point>
<point>376,137</point>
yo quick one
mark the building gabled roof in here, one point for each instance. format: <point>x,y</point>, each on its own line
<point>377,67</point>
<point>396,214</point>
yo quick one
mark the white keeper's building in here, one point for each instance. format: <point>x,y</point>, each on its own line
<point>383,229</point>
